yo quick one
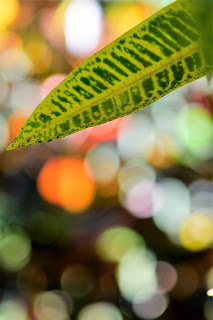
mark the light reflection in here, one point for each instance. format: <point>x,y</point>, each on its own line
<point>123,16</point>
<point>83,26</point>
<point>104,162</point>
<point>133,172</point>
<point>100,310</point>
<point>67,184</point>
<point>173,205</point>
<point>50,305</point>
<point>141,198</point>
<point>210,292</point>
<point>54,29</point>
<point>138,190</point>
<point>196,233</point>
<point>116,241</point>
<point>151,309</point>
<point>136,274</point>
<point>8,12</point>
<point>162,153</point>
<point>195,130</point>
<point>202,197</point>
<point>200,86</point>
<point>51,82</point>
<point>164,115</point>
<point>15,122</point>
<point>64,181</point>
<point>107,190</point>
<point>15,250</point>
<point>134,139</point>
<point>107,131</point>
<point>78,140</point>
<point>166,275</point>
<point>25,15</point>
<point>12,310</point>
<point>39,52</point>
<point>21,95</point>
<point>14,64</point>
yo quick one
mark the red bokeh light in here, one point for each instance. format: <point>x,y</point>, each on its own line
<point>64,181</point>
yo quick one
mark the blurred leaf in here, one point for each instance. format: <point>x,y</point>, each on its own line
<point>159,55</point>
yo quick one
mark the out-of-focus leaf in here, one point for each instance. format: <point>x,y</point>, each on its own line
<point>159,55</point>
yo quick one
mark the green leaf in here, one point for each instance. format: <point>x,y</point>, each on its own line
<point>159,55</point>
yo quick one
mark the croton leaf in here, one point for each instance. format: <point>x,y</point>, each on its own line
<point>157,56</point>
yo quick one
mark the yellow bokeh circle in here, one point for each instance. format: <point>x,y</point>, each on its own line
<point>8,12</point>
<point>196,233</point>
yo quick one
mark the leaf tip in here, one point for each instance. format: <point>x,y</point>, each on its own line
<point>10,147</point>
<point>14,144</point>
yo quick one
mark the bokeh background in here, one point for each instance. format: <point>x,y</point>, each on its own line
<point>114,222</point>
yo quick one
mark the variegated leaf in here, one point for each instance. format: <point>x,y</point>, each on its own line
<point>159,55</point>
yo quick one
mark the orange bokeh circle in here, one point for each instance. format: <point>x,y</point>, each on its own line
<point>64,181</point>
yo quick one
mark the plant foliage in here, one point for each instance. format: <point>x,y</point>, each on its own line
<point>154,58</point>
